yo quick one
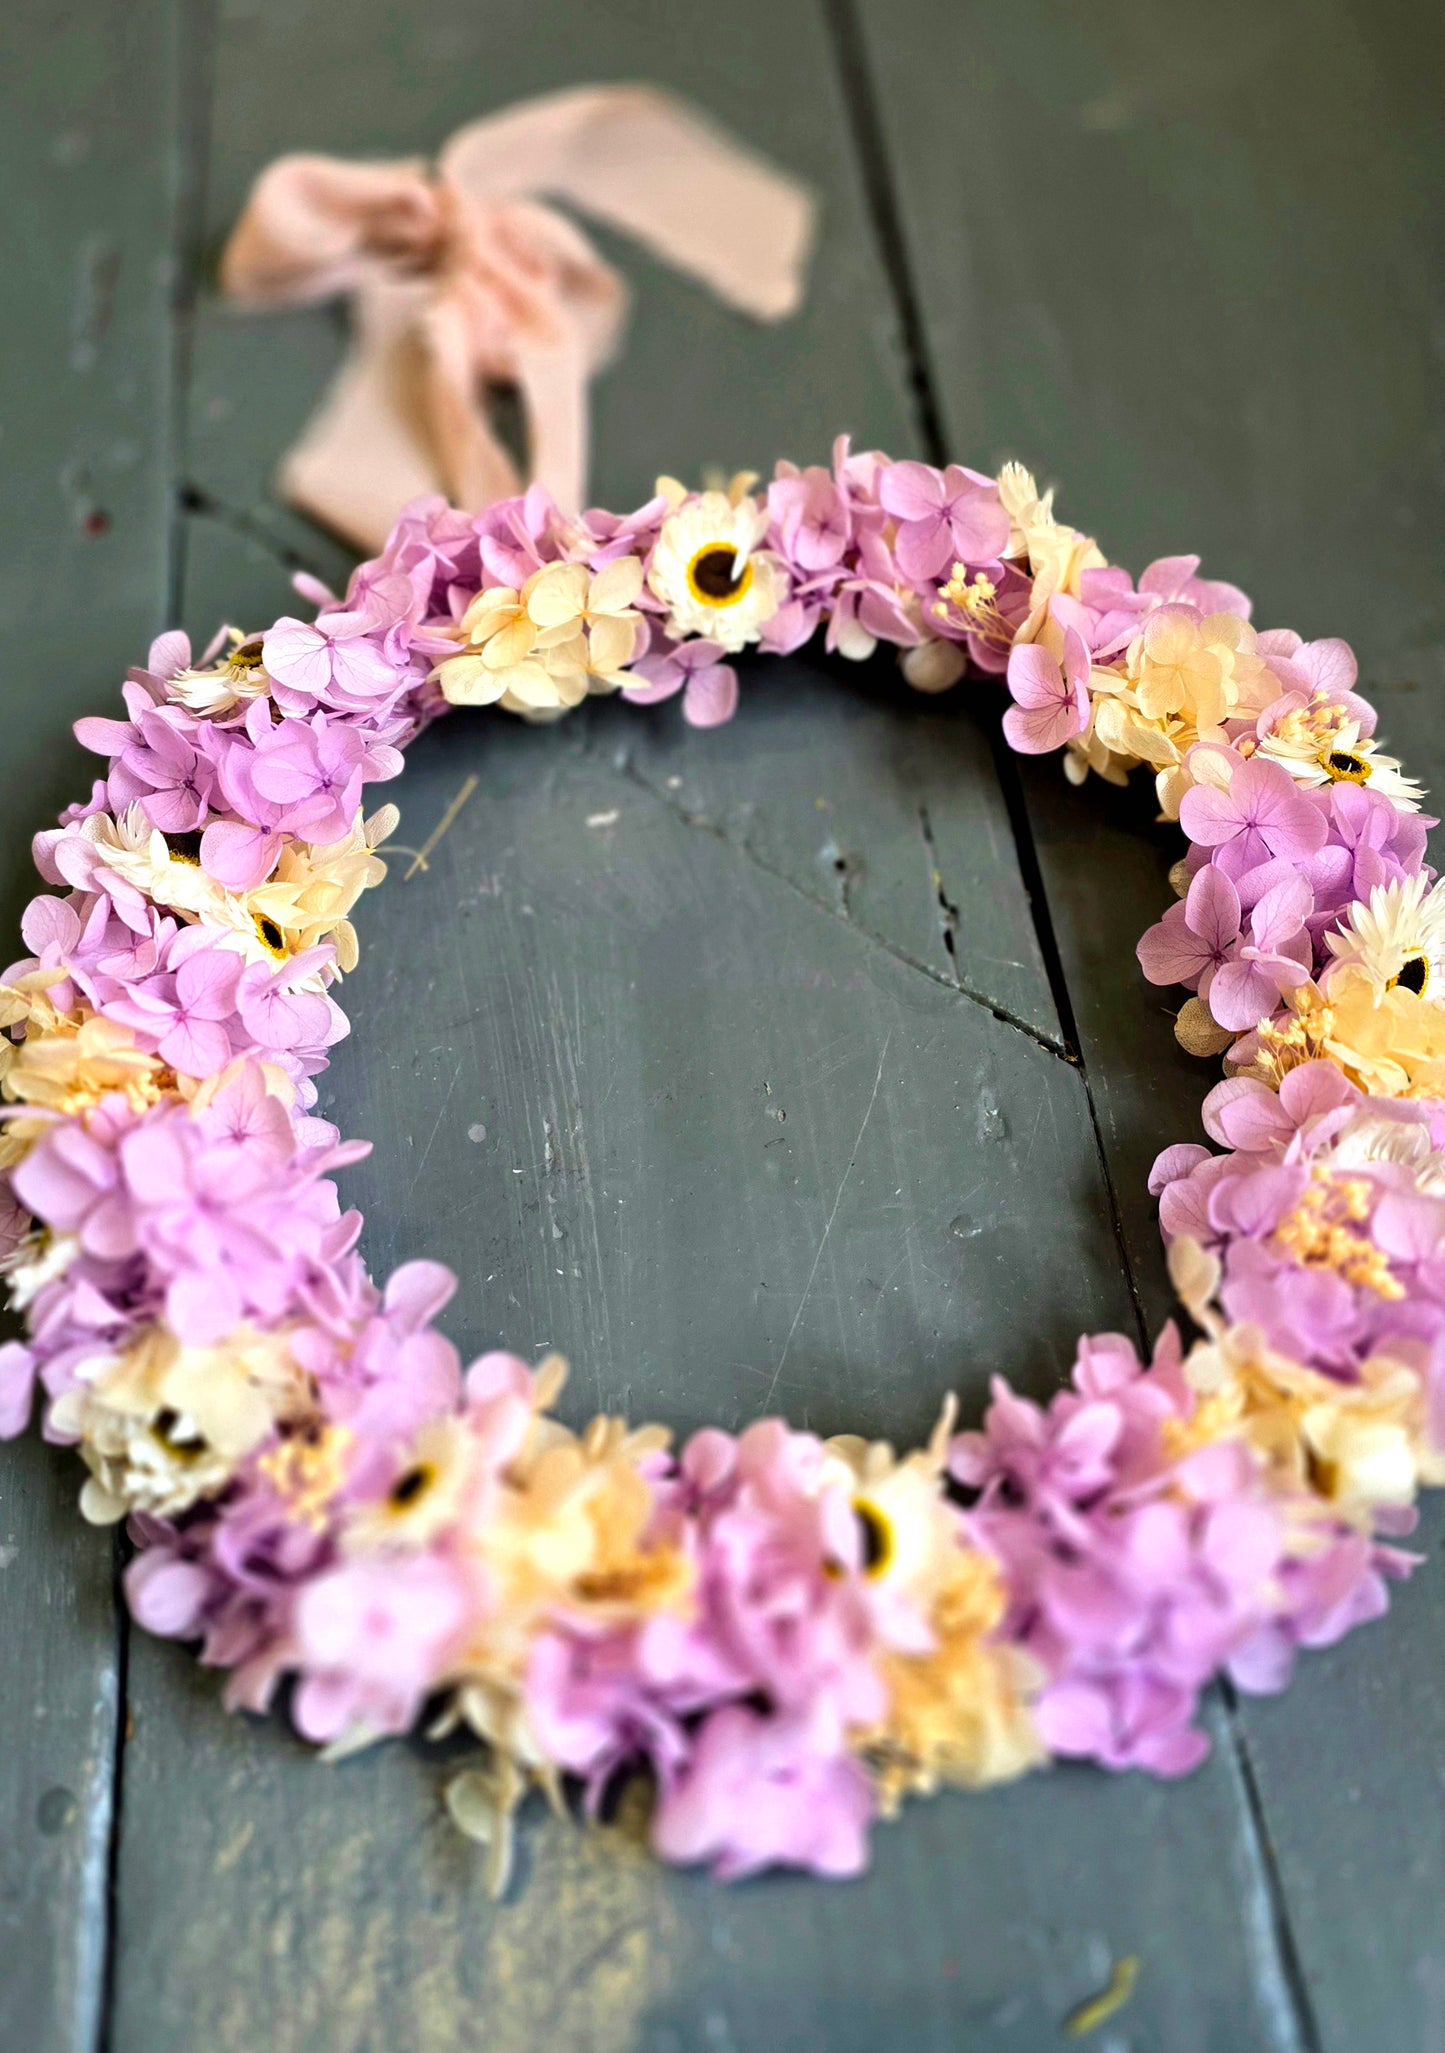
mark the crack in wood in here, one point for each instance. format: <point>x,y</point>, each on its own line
<point>851,57</point>
<point>195,502</point>
<point>623,765</point>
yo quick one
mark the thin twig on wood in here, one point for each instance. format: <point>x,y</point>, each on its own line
<point>428,847</point>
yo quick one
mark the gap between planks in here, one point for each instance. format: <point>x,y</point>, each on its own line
<point>886,215</point>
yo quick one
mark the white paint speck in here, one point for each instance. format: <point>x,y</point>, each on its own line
<point>608,819</point>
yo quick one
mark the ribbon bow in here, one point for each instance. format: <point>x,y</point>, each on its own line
<point>461,277</point>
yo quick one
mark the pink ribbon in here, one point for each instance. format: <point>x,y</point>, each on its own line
<point>460,277</point>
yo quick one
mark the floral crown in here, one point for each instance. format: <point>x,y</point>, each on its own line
<point>788,1634</point>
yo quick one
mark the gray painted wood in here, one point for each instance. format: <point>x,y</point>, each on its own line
<point>89,167</point>
<point>580,1031</point>
<point>1206,297</point>
<point>626,1009</point>
<point>616,1039</point>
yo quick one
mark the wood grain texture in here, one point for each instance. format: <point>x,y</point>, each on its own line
<point>88,165</point>
<point>585,1129</point>
<point>1208,299</point>
<point>731,1064</point>
<point>728,1064</point>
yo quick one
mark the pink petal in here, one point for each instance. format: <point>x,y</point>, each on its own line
<point>1242,995</point>
<point>283,777</point>
<point>1167,576</point>
<point>238,856</point>
<point>1409,1226</point>
<point>924,549</point>
<point>666,680</point>
<point>105,737</point>
<point>1170,952</point>
<point>1034,677</point>
<point>1329,665</point>
<point>1209,816</point>
<point>711,696</point>
<point>417,1291</point>
<point>1212,909</point>
<point>196,1047</point>
<point>203,1307</point>
<point>17,1388</point>
<point>169,652</point>
<point>1243,1113</point>
<point>1171,1164</point>
<point>165,1595</point>
<point>155,1164</point>
<point>50,923</point>
<point>1281,912</point>
<point>980,527</point>
<point>206,984</point>
<point>911,491</point>
<point>1075,1718</point>
<point>298,656</point>
<point>1034,731</point>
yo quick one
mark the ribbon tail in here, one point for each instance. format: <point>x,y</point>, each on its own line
<point>370,445</point>
<point>648,163</point>
<point>554,387</point>
<point>474,468</point>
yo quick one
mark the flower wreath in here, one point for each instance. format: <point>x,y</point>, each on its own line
<point>789,1634</point>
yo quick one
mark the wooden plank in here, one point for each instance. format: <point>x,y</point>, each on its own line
<point>89,169</point>
<point>617,1050</point>
<point>1206,297</point>
<point>566,1011</point>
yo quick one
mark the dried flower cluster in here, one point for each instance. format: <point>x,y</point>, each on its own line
<point>788,1634</point>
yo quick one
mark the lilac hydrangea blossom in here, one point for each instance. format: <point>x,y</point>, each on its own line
<point>1139,1555</point>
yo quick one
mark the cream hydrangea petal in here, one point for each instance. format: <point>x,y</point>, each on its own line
<point>611,644</point>
<point>557,595</point>
<point>616,586</point>
<point>511,643</point>
<point>529,684</point>
<point>489,608</point>
<point>468,681</point>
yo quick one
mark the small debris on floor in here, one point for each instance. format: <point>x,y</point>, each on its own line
<point>1099,2009</point>
<point>419,859</point>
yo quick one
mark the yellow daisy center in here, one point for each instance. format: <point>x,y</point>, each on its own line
<point>271,938</point>
<point>1346,766</point>
<point>411,1486</point>
<point>713,576</point>
<point>177,1436</point>
<point>876,1533</point>
<point>1414,975</point>
<point>245,657</point>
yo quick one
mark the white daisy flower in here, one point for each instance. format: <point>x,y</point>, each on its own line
<point>162,1425</point>
<point>1320,743</point>
<point>1398,938</point>
<point>38,1260</point>
<point>218,688</point>
<point>709,572</point>
<point>140,853</point>
<point>1370,1137</point>
<point>425,1496</point>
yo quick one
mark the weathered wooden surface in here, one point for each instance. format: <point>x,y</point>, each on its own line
<point>734,1064</point>
<point>89,152</point>
<point>1208,297</point>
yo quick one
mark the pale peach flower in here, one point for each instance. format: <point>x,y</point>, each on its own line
<point>568,603</point>
<point>162,1425</point>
